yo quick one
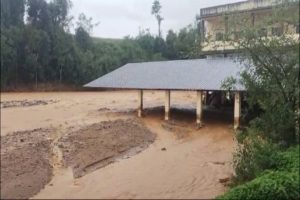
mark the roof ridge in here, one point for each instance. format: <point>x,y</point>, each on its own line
<point>181,60</point>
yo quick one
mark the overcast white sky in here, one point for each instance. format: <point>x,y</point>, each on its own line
<point>119,18</point>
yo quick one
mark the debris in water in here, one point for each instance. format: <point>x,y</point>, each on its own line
<point>224,180</point>
<point>219,163</point>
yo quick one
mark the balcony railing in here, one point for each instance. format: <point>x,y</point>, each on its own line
<point>231,45</point>
<point>239,6</point>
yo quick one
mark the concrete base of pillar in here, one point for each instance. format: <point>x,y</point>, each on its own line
<point>167,116</point>
<point>140,113</point>
<point>167,105</point>
<point>236,123</point>
<point>199,109</point>
<point>237,110</point>
<point>199,125</point>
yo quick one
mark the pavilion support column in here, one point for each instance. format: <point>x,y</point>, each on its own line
<point>205,98</point>
<point>199,109</point>
<point>140,101</point>
<point>237,109</point>
<point>167,104</point>
<point>223,98</point>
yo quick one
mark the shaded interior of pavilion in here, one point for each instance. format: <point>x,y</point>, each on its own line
<point>208,107</point>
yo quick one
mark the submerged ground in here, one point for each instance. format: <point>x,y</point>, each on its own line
<point>92,145</point>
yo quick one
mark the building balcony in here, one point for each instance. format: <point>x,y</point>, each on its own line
<point>210,47</point>
<point>235,7</point>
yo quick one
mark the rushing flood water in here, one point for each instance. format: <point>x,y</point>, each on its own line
<point>183,162</point>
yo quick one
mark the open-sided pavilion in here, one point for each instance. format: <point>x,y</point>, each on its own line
<point>200,75</point>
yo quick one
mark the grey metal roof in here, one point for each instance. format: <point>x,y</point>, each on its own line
<point>198,74</point>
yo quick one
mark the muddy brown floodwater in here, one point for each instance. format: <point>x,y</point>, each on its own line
<point>92,145</point>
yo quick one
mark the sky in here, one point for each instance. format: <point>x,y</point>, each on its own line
<point>120,18</point>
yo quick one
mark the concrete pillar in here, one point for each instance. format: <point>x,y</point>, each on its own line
<point>223,98</point>
<point>167,104</point>
<point>253,19</point>
<point>199,109</point>
<point>205,98</point>
<point>140,102</point>
<point>237,109</point>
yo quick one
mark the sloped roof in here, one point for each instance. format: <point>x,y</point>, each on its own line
<point>198,74</point>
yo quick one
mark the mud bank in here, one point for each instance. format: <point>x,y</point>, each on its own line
<point>98,145</point>
<point>27,157</point>
<point>25,163</point>
<point>24,103</point>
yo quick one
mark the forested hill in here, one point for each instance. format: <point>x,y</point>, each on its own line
<point>37,46</point>
<point>112,40</point>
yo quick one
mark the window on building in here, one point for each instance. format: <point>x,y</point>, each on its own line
<point>277,31</point>
<point>219,36</point>
<point>263,32</point>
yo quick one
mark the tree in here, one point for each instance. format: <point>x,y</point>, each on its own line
<point>171,50</point>
<point>41,48</point>
<point>12,13</point>
<point>39,15</point>
<point>156,11</point>
<point>84,29</point>
<point>83,39</point>
<point>48,16</point>
<point>131,51</point>
<point>12,24</point>
<point>11,48</point>
<point>188,43</point>
<point>271,77</point>
<point>37,49</point>
<point>159,45</point>
<point>146,41</point>
<point>272,72</point>
<point>59,10</point>
<point>86,23</point>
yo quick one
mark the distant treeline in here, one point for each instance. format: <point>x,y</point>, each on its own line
<point>37,46</point>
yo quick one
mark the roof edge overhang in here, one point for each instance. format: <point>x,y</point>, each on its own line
<point>163,89</point>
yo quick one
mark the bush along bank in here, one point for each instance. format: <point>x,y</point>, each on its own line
<point>281,182</point>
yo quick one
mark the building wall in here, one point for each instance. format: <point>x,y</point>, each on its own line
<point>220,29</point>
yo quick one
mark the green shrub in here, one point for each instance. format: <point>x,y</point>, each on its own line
<point>272,185</point>
<point>281,183</point>
<point>253,156</point>
<point>289,160</point>
<point>277,124</point>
